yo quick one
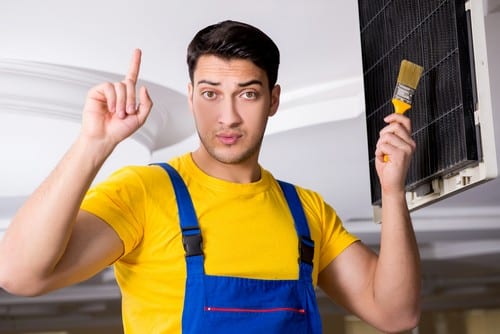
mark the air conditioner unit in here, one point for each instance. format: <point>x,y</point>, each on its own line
<point>451,112</point>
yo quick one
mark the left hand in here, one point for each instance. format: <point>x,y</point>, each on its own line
<point>396,143</point>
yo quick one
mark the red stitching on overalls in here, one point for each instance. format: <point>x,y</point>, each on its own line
<point>250,310</point>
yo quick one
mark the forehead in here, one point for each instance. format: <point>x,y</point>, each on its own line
<point>213,68</point>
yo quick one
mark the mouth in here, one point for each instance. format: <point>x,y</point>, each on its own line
<point>228,138</point>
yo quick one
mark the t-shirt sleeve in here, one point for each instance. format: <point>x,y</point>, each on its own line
<point>119,201</point>
<point>335,238</point>
<point>326,228</point>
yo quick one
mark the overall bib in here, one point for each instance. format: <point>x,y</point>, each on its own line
<point>220,304</point>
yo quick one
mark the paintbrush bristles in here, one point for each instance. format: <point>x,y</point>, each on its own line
<point>409,74</point>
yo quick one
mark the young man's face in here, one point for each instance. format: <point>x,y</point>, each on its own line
<point>231,102</point>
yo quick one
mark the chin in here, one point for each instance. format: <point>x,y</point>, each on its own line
<point>231,158</point>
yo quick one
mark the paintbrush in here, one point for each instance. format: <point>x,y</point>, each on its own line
<point>408,78</point>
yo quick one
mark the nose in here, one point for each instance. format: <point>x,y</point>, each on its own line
<point>228,113</point>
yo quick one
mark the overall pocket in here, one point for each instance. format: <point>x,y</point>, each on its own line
<point>244,306</point>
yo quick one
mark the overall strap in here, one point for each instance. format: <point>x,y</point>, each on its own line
<point>191,234</point>
<point>306,244</point>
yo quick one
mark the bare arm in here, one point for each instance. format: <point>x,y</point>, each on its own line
<point>50,243</point>
<point>383,290</point>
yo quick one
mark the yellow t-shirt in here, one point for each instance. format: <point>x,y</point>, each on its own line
<point>247,231</point>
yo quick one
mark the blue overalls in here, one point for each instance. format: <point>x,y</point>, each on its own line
<point>220,304</point>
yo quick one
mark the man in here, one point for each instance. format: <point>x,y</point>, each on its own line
<point>212,243</point>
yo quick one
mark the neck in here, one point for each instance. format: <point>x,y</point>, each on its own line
<point>243,172</point>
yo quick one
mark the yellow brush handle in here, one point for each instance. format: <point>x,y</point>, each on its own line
<point>400,107</point>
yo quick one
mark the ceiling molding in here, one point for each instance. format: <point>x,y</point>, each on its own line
<point>56,91</point>
<point>340,88</point>
<point>333,101</point>
<point>52,72</point>
<point>37,106</point>
<point>439,225</point>
<point>459,249</point>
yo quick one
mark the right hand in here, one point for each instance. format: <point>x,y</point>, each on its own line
<point>110,113</point>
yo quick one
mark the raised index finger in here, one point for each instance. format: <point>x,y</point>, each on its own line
<point>133,71</point>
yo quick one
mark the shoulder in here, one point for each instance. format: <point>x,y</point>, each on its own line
<point>150,175</point>
<point>133,184</point>
<point>314,203</point>
<point>134,173</point>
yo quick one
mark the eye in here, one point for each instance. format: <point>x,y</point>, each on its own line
<point>209,95</point>
<point>249,95</point>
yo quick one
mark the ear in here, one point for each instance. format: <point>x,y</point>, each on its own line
<point>275,100</point>
<point>190,96</point>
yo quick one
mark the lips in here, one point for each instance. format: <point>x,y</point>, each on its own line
<point>228,138</point>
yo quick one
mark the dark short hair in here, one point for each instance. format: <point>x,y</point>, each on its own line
<point>231,39</point>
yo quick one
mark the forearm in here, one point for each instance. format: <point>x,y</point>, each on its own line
<point>397,276</point>
<point>38,235</point>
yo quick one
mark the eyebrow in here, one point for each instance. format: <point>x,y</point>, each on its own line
<point>213,83</point>
<point>243,84</point>
<point>251,82</point>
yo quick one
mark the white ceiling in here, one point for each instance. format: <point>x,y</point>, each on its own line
<point>53,51</point>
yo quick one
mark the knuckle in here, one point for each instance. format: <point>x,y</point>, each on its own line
<point>128,82</point>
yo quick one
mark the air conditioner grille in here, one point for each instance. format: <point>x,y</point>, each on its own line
<point>433,34</point>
